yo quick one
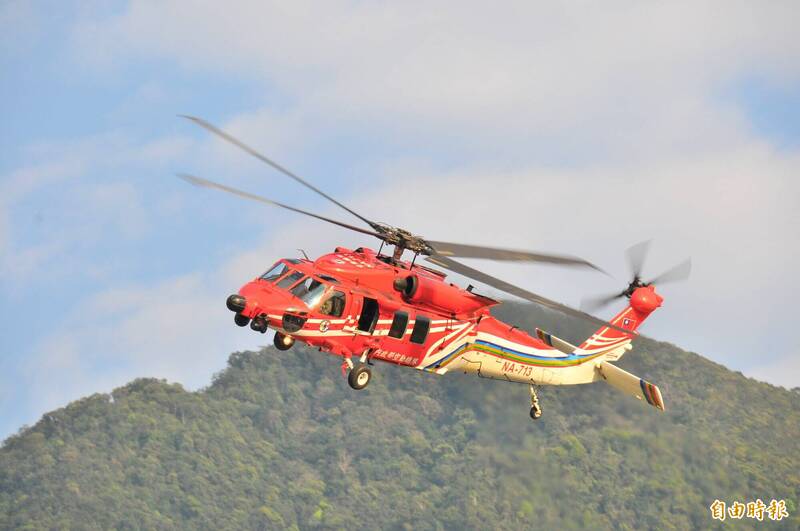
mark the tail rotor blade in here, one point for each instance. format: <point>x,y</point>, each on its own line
<point>592,304</point>
<point>636,256</point>
<point>675,274</point>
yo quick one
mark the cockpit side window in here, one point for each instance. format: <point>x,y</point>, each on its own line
<point>310,291</point>
<point>306,286</point>
<point>275,273</point>
<point>333,305</point>
<point>289,280</point>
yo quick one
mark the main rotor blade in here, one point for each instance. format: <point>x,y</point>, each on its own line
<point>592,304</point>
<point>197,181</point>
<point>502,285</point>
<point>675,274</point>
<point>636,255</point>
<point>510,255</point>
<point>238,143</point>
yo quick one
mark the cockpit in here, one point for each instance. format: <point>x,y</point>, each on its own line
<point>316,293</point>
<point>277,271</point>
<point>321,295</point>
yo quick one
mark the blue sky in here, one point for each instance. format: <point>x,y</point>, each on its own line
<point>579,131</point>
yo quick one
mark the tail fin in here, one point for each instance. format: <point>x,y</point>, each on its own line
<point>631,385</point>
<point>644,301</point>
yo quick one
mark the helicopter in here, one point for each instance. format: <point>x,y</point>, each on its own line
<point>365,306</point>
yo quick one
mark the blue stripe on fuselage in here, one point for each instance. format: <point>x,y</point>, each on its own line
<point>448,356</point>
<point>567,357</point>
<point>534,356</point>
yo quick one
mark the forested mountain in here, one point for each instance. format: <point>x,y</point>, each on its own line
<point>279,440</point>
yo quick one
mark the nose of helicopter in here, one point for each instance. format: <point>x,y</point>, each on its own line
<point>236,303</point>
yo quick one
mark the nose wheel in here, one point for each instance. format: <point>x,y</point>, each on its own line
<point>360,376</point>
<point>536,410</point>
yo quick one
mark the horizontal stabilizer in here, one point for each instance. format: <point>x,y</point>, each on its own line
<point>556,343</point>
<point>631,385</point>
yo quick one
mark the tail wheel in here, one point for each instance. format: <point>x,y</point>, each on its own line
<point>360,376</point>
<point>536,409</point>
<point>241,320</point>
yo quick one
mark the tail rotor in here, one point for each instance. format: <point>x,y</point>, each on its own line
<point>636,256</point>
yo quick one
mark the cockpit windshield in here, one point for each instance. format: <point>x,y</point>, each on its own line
<point>310,291</point>
<point>289,280</point>
<point>275,273</point>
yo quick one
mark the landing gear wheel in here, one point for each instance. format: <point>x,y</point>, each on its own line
<point>241,320</point>
<point>359,376</point>
<point>536,410</point>
<point>283,342</point>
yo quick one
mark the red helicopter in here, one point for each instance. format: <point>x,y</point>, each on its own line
<point>363,305</point>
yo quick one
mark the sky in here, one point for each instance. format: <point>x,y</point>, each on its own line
<point>563,127</point>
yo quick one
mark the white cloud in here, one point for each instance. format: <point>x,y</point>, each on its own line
<point>782,369</point>
<point>19,27</point>
<point>169,330</point>
<point>512,69</point>
<point>88,191</point>
<point>20,261</point>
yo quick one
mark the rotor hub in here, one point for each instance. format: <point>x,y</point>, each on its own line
<point>633,286</point>
<point>402,239</point>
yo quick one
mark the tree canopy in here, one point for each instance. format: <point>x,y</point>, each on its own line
<point>279,440</point>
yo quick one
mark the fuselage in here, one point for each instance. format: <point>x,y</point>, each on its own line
<point>357,303</point>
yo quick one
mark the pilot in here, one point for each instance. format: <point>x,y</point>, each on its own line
<point>327,306</point>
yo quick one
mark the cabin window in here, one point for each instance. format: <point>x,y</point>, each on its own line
<point>275,273</point>
<point>399,325</point>
<point>290,280</point>
<point>369,315</point>
<point>420,331</point>
<point>333,305</point>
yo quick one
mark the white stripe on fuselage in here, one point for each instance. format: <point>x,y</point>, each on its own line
<point>461,330</point>
<point>527,349</point>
